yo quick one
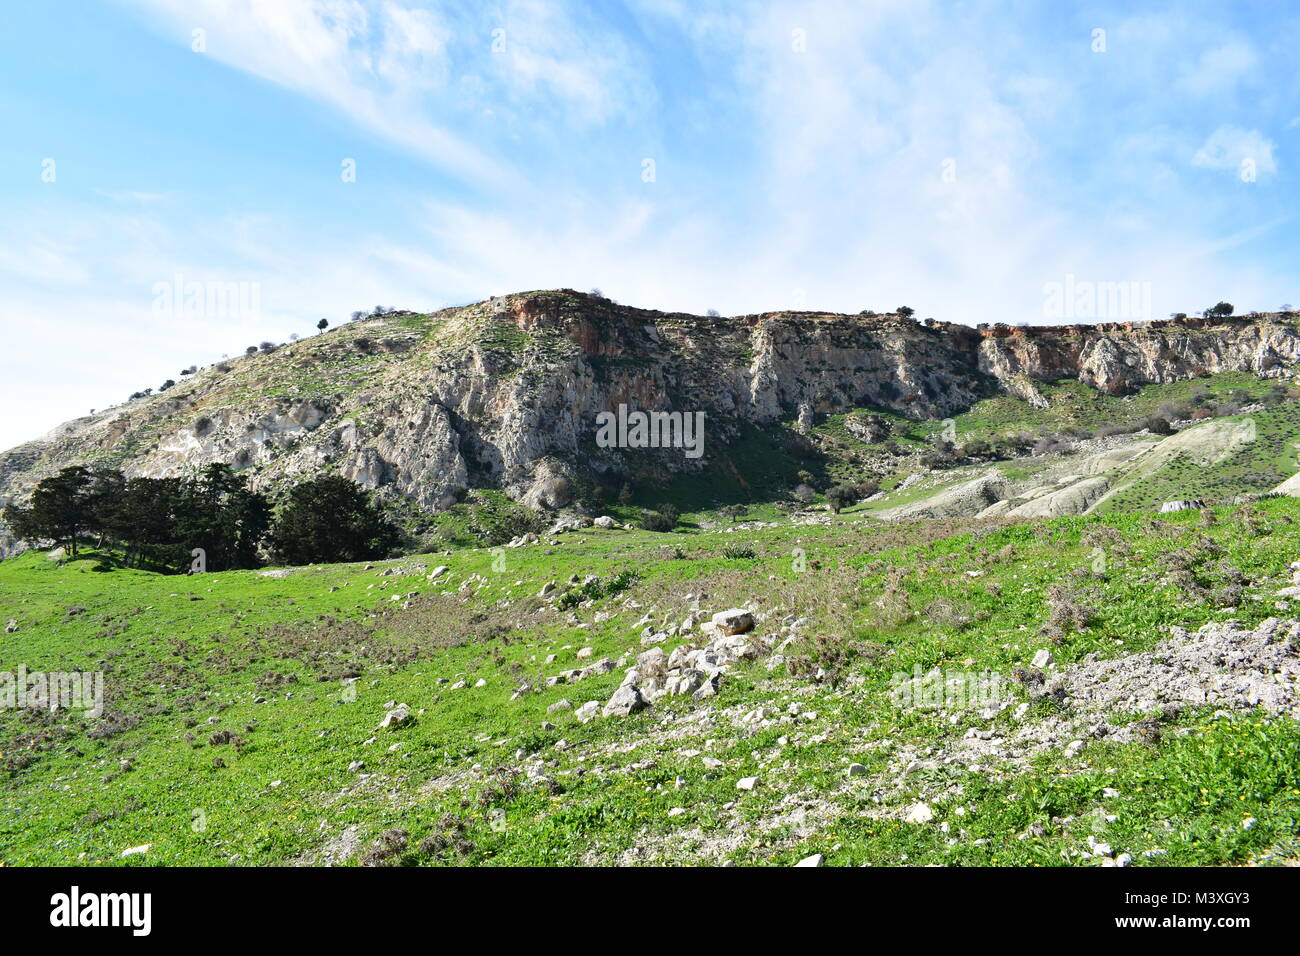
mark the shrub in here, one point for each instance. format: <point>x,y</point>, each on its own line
<point>840,497</point>
<point>663,518</point>
<point>738,551</point>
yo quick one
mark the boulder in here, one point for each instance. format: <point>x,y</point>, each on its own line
<point>399,716</point>
<point>735,621</point>
<point>626,700</point>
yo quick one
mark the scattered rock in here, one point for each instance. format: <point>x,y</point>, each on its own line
<point>626,700</point>
<point>918,813</point>
<point>735,621</point>
<point>399,716</point>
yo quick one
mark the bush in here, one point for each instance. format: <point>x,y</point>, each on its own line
<point>1157,425</point>
<point>495,519</point>
<point>738,551</point>
<point>840,497</point>
<point>663,518</point>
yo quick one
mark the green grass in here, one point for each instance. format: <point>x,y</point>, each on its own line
<point>1071,402</point>
<point>178,651</point>
<point>1254,467</point>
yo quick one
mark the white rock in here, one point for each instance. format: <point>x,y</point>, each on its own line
<point>814,860</point>
<point>746,783</point>
<point>397,717</point>
<point>918,813</point>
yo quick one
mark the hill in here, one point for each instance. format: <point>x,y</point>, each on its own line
<point>505,395</point>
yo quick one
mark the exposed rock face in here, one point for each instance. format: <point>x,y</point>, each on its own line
<point>505,393</point>
<point>1117,357</point>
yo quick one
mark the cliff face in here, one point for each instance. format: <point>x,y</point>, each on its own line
<point>1116,358</point>
<point>505,393</point>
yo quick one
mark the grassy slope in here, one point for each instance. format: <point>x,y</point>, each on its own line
<point>182,650</point>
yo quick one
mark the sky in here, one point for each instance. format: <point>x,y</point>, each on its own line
<point>180,179</point>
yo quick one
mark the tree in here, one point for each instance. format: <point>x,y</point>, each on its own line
<point>218,513</point>
<point>906,311</point>
<point>839,497</point>
<point>143,520</point>
<point>1220,311</point>
<point>357,316</point>
<point>734,512</point>
<point>251,350</point>
<point>712,313</point>
<point>60,509</point>
<point>323,324</point>
<point>331,519</point>
<point>166,385</point>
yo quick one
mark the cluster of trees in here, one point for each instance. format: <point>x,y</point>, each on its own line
<point>158,523</point>
<point>360,314</point>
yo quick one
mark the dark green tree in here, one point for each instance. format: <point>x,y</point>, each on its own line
<point>839,497</point>
<point>60,510</point>
<point>218,513</point>
<point>331,519</point>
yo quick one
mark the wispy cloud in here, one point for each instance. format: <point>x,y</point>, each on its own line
<point>1230,147</point>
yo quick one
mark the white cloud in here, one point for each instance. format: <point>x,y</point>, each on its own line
<point>1230,147</point>
<point>335,52</point>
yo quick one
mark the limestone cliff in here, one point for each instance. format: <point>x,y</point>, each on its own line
<point>505,393</point>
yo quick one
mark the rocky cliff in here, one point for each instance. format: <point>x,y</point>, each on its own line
<point>505,393</point>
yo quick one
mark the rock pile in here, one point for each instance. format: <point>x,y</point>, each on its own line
<point>696,671</point>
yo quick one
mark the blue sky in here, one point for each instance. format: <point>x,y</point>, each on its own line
<point>956,157</point>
